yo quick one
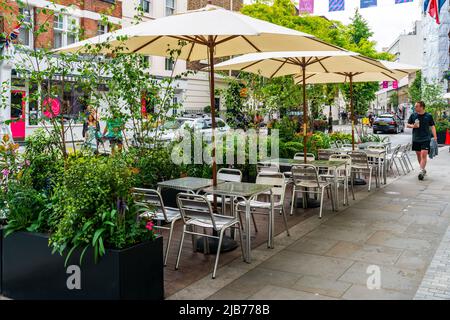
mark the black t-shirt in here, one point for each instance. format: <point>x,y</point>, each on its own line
<point>423,133</point>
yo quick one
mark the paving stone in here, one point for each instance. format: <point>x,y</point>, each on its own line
<point>322,286</point>
<point>308,264</point>
<point>392,278</point>
<point>357,292</point>
<point>252,281</point>
<point>358,235</point>
<point>384,238</point>
<point>227,294</point>
<point>366,253</point>
<point>312,245</point>
<point>278,293</point>
<point>414,260</point>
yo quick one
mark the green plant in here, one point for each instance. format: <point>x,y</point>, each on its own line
<point>25,205</point>
<point>442,125</point>
<point>93,206</point>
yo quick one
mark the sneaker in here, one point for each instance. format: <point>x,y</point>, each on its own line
<point>421,175</point>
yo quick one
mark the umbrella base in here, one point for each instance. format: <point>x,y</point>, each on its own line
<point>311,203</point>
<point>228,244</point>
<point>359,182</point>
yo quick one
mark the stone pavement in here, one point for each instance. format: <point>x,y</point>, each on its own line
<point>386,240</point>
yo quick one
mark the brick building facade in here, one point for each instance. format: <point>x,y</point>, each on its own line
<point>87,14</point>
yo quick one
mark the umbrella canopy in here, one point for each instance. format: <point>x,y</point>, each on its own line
<point>274,64</point>
<point>397,72</point>
<point>209,33</point>
<point>232,34</point>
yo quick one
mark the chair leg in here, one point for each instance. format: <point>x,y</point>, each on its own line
<point>218,253</point>
<point>321,202</point>
<point>352,178</point>
<point>241,239</point>
<point>194,239</point>
<point>396,167</point>
<point>409,160</point>
<point>254,222</point>
<point>180,248</point>
<point>292,201</point>
<point>285,220</point>
<point>168,242</point>
<point>333,205</point>
<point>370,178</point>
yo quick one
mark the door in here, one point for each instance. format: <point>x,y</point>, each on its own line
<point>18,114</point>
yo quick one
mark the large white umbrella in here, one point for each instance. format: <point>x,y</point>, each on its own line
<point>397,72</point>
<point>209,33</point>
<point>274,64</point>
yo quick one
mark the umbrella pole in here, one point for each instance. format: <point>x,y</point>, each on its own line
<point>305,118</point>
<point>352,112</point>
<point>213,111</point>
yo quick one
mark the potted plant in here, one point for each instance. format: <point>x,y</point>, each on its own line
<point>441,130</point>
<point>82,238</point>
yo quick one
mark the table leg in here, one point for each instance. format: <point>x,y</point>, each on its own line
<point>248,247</point>
<point>272,221</point>
<point>335,192</point>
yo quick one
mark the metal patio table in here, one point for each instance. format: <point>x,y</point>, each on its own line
<point>245,191</point>
<point>187,184</point>
<point>323,164</point>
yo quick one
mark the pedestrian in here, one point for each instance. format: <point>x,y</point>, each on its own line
<point>423,127</point>
<point>91,131</point>
<point>113,132</point>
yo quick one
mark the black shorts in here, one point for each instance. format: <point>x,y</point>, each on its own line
<point>421,145</point>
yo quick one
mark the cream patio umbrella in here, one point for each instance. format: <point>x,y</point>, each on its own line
<point>275,64</point>
<point>397,72</point>
<point>209,33</point>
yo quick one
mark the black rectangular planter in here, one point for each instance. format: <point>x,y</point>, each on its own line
<point>441,137</point>
<point>1,259</point>
<point>31,271</point>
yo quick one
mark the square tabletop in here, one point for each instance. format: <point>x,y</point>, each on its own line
<point>365,145</point>
<point>239,189</point>
<point>186,183</point>
<point>319,163</point>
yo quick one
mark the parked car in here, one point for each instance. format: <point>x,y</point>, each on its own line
<point>171,130</point>
<point>388,123</point>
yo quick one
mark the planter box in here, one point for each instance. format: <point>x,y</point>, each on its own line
<point>1,259</point>
<point>31,271</point>
<point>441,137</point>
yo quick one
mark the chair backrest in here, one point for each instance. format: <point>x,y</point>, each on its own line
<point>343,157</point>
<point>324,154</point>
<point>376,147</point>
<point>396,150</point>
<point>300,156</point>
<point>195,206</point>
<point>262,167</point>
<point>229,175</point>
<point>149,198</point>
<point>305,173</point>
<point>359,159</point>
<point>338,144</point>
<point>276,179</point>
<point>347,145</point>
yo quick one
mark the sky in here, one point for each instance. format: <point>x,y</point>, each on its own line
<point>387,21</point>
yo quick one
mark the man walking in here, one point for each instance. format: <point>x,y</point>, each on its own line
<point>422,124</point>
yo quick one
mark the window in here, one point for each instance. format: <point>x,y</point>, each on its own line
<point>217,104</point>
<point>102,28</point>
<point>146,6</point>
<point>64,30</point>
<point>26,27</point>
<point>169,64</point>
<point>170,7</point>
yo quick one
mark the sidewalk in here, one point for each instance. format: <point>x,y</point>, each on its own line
<point>397,229</point>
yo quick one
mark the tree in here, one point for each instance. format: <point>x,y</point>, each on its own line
<point>354,37</point>
<point>432,96</point>
<point>415,90</point>
<point>359,29</point>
